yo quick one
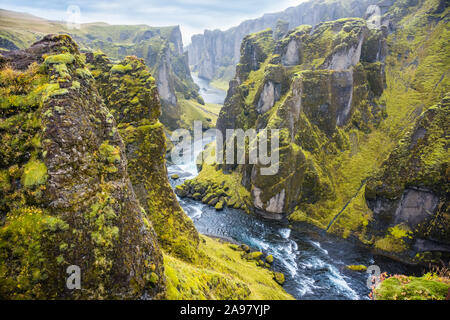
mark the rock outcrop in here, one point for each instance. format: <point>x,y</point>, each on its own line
<point>136,107</point>
<point>343,104</point>
<point>66,195</point>
<point>214,54</point>
<point>316,94</point>
<point>161,48</point>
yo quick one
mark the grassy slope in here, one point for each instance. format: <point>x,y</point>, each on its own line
<point>192,110</point>
<point>27,28</point>
<point>221,84</point>
<point>225,275</point>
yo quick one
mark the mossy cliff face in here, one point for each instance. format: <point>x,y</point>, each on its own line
<point>160,47</point>
<point>348,97</point>
<point>130,93</point>
<point>215,53</point>
<point>411,190</point>
<point>66,197</point>
<point>287,85</point>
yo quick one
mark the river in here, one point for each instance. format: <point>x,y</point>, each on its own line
<point>209,93</point>
<point>313,261</point>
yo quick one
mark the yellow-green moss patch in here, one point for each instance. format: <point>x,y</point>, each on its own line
<point>427,287</point>
<point>34,173</point>
<point>223,275</point>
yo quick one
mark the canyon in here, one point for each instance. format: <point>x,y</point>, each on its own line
<point>358,92</point>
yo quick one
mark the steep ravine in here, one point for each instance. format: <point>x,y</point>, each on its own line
<point>83,182</point>
<point>353,103</point>
<point>215,53</point>
<point>314,262</point>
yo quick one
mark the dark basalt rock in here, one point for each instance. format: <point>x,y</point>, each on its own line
<point>75,196</point>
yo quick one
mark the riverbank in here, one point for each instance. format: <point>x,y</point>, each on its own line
<point>313,261</point>
<point>223,268</point>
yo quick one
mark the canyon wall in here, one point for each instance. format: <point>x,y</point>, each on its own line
<point>160,47</point>
<point>215,53</point>
<point>360,108</point>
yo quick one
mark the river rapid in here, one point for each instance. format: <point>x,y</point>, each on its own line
<point>313,261</point>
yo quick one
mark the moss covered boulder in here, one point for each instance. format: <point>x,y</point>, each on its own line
<point>279,278</point>
<point>427,287</point>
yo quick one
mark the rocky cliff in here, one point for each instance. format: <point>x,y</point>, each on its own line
<point>360,106</point>
<point>214,54</point>
<point>66,195</point>
<point>161,48</point>
<point>83,182</point>
<point>130,93</point>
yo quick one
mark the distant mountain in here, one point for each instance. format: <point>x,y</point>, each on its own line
<point>161,48</point>
<point>214,54</point>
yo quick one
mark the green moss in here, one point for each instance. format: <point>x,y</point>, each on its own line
<point>53,90</point>
<point>83,73</point>
<point>154,278</point>
<point>390,244</point>
<point>427,287</point>
<point>279,278</point>
<point>269,258</point>
<point>394,241</point>
<point>400,231</point>
<point>360,268</point>
<point>62,70</point>
<point>59,92</point>
<point>75,85</point>
<point>219,205</point>
<point>119,68</point>
<point>63,58</point>
<point>25,259</point>
<point>109,153</point>
<point>34,173</point>
<point>224,275</point>
<point>5,183</point>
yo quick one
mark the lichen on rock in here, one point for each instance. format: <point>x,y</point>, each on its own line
<point>65,183</point>
<point>132,97</point>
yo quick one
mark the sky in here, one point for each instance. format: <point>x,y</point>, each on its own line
<point>193,16</point>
